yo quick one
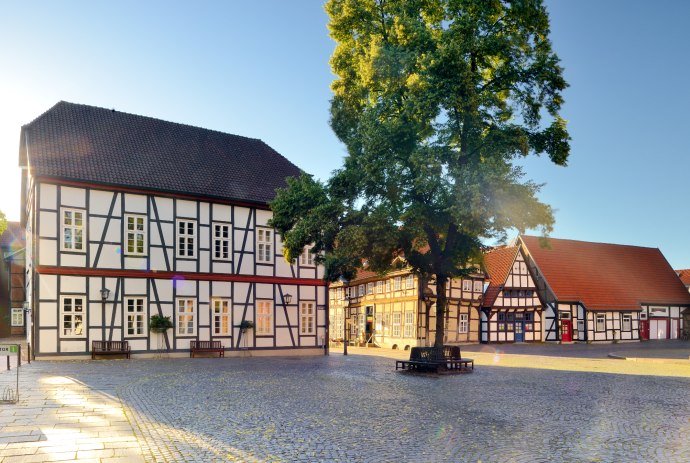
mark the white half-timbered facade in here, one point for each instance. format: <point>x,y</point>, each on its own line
<point>199,250</point>
<point>599,292</point>
<point>511,309</point>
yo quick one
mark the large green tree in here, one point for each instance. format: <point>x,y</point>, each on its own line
<point>435,101</point>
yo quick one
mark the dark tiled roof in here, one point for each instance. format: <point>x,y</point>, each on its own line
<point>498,263</point>
<point>13,237</point>
<point>607,276</point>
<point>97,145</point>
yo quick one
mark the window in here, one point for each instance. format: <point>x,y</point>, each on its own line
<point>361,290</point>
<point>478,286</point>
<point>73,226</point>
<point>72,316</point>
<point>463,323</point>
<point>186,238</point>
<point>186,312</point>
<point>601,322</point>
<point>264,317</point>
<point>306,325</point>
<point>221,317</point>
<point>397,283</point>
<point>388,285</point>
<point>136,316</point>
<point>306,258</point>
<point>627,322</point>
<point>467,285</point>
<point>528,316</point>
<point>17,316</point>
<point>396,325</point>
<point>264,246</point>
<point>221,241</point>
<point>370,288</point>
<point>409,283</point>
<point>135,235</point>
<point>409,325</point>
<point>507,293</point>
<point>379,287</point>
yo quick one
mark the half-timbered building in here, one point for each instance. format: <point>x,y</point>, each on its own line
<point>12,269</point>
<point>511,308</point>
<point>604,292</point>
<point>391,311</point>
<point>129,216</point>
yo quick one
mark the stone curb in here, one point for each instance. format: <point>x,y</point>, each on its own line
<point>649,360</point>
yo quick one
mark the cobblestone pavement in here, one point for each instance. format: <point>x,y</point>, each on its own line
<point>347,409</point>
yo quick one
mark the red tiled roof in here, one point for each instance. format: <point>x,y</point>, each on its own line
<point>684,275</point>
<point>607,276</point>
<point>498,264</point>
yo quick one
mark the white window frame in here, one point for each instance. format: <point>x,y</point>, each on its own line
<point>307,318</point>
<point>183,317</point>
<point>306,259</point>
<point>220,313</point>
<point>379,287</point>
<point>467,285</point>
<point>73,229</point>
<point>134,232</point>
<point>396,283</point>
<point>264,245</point>
<point>597,317</point>
<point>370,288</point>
<point>133,315</point>
<point>463,323</point>
<point>72,313</point>
<point>190,240</point>
<point>219,241</point>
<point>264,317</point>
<point>628,322</point>
<point>388,285</point>
<point>408,329</point>
<point>409,282</point>
<point>478,286</point>
<point>395,324</point>
<point>17,317</point>
<point>361,290</point>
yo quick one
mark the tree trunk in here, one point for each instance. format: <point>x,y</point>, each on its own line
<point>441,302</point>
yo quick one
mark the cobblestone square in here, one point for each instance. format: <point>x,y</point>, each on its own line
<point>348,409</point>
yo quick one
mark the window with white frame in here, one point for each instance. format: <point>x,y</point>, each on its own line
<point>478,286</point>
<point>396,283</point>
<point>135,235</point>
<point>463,323</point>
<point>222,246</point>
<point>379,287</point>
<point>264,245</point>
<point>409,282</point>
<point>467,285</point>
<point>388,285</point>
<point>601,322</point>
<point>136,316</point>
<point>186,315</point>
<point>627,322</point>
<point>307,320</point>
<point>306,258</point>
<point>17,316</point>
<point>409,325</point>
<point>186,238</point>
<point>73,230</point>
<point>221,317</point>
<point>361,290</point>
<point>264,317</point>
<point>72,316</point>
<point>370,288</point>
<point>395,325</point>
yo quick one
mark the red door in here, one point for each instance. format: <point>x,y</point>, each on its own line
<point>644,329</point>
<point>566,330</point>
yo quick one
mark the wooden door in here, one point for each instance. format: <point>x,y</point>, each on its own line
<point>566,330</point>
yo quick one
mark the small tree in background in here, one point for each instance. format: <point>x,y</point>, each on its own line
<point>434,100</point>
<point>3,222</point>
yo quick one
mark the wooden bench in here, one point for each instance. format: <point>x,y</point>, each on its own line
<point>435,359</point>
<point>109,348</point>
<point>206,346</point>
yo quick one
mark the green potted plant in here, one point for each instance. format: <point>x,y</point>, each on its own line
<point>160,324</point>
<point>246,325</point>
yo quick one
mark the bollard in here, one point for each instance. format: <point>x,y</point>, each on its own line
<point>8,363</point>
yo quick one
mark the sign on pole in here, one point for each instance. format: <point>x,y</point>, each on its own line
<point>9,384</point>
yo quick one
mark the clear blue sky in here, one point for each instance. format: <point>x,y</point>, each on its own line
<point>260,69</point>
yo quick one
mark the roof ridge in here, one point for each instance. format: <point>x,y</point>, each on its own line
<point>590,242</point>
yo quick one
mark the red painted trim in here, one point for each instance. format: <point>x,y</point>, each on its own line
<point>141,191</point>
<point>97,272</point>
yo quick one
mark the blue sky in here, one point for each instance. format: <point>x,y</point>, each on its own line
<point>260,69</point>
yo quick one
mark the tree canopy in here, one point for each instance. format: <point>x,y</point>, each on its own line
<point>435,101</point>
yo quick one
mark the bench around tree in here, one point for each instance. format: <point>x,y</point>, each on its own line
<point>205,347</point>
<point>109,348</point>
<point>435,359</point>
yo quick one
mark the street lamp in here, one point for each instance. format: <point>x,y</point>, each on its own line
<point>105,292</point>
<point>287,298</point>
